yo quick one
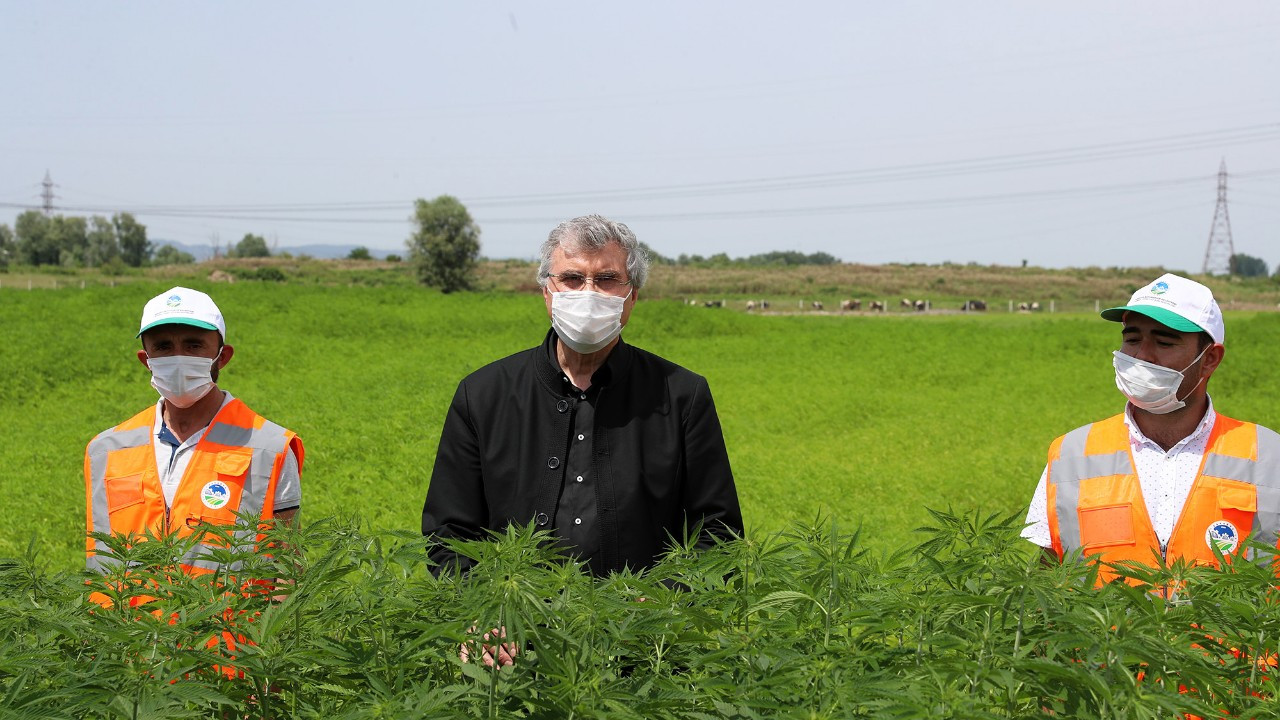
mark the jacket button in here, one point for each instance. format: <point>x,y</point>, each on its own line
<point>553,463</point>
<point>541,518</point>
<point>562,406</point>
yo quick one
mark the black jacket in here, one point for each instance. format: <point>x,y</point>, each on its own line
<point>658,456</point>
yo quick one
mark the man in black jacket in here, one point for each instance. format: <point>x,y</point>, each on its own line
<point>611,447</point>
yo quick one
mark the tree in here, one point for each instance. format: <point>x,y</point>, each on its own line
<point>135,248</point>
<point>359,253</point>
<point>251,246</point>
<point>445,245</point>
<point>71,236</point>
<point>8,250</point>
<point>103,245</point>
<point>1247,266</point>
<point>655,257</point>
<point>170,255</point>
<point>34,240</point>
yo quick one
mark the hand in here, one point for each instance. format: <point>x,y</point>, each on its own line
<point>501,654</point>
<point>282,583</point>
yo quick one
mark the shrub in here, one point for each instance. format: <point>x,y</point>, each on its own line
<point>266,273</point>
<point>803,623</point>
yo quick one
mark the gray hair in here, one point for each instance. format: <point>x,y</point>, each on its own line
<point>591,233</point>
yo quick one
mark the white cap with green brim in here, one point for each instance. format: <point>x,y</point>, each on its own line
<point>1175,302</point>
<point>183,306</point>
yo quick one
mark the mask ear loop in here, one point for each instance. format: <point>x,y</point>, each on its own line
<point>1193,362</point>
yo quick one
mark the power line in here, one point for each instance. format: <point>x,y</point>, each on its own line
<point>877,206</point>
<point>918,171</point>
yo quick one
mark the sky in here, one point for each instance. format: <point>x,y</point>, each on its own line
<point>1063,134</point>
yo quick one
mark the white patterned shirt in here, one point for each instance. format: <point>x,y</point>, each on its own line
<point>1165,478</point>
<point>172,463</point>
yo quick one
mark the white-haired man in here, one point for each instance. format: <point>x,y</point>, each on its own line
<point>614,449</point>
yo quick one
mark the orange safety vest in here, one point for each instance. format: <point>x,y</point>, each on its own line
<point>234,467</point>
<point>1095,501</point>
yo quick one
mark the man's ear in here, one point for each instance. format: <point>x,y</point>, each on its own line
<point>142,358</point>
<point>224,356</point>
<point>1212,358</point>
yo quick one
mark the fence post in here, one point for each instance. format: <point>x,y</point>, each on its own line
<point>1051,306</point>
<point>1096,309</point>
<point>1010,306</point>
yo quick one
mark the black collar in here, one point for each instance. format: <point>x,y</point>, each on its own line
<point>614,368</point>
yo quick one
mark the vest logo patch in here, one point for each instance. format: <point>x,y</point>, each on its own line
<point>215,494</point>
<point>1223,535</point>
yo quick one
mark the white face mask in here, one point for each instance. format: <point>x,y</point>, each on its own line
<point>586,321</point>
<point>181,379</point>
<point>1148,386</point>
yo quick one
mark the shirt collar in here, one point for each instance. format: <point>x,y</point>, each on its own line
<point>164,434</point>
<point>1137,437</point>
<point>615,364</point>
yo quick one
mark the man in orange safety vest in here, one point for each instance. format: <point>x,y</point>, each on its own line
<point>1168,477</point>
<point>198,455</point>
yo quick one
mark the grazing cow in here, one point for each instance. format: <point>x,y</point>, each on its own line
<point>713,303</point>
<point>751,305</point>
<point>974,305</point>
<point>906,303</point>
<point>1023,307</point>
<point>693,301</point>
<point>854,304</point>
<point>817,304</point>
<point>921,305</point>
<point>764,304</point>
<point>1035,307</point>
<point>877,306</point>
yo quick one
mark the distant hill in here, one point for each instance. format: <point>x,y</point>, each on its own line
<point>323,252</point>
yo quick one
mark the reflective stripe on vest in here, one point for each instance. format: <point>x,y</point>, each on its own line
<point>1073,463</point>
<point>241,449</point>
<point>1238,482</point>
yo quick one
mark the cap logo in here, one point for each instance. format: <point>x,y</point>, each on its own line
<point>1160,288</point>
<point>174,301</point>
<point>215,494</point>
<point>1223,535</point>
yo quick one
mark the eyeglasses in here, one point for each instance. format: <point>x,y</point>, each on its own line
<point>607,283</point>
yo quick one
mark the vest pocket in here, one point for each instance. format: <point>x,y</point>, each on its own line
<point>231,468</point>
<point>1107,525</point>
<point>123,492</point>
<point>233,462</point>
<point>1237,496</point>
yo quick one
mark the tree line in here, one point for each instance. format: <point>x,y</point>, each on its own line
<point>38,239</point>
<point>444,246</point>
<point>117,242</point>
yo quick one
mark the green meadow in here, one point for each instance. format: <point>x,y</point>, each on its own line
<point>864,420</point>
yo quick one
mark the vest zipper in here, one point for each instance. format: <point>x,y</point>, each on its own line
<point>1164,559</point>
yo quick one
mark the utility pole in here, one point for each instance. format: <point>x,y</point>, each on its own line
<point>46,195</point>
<point>1218,253</point>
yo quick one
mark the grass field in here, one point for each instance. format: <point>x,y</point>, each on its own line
<point>868,419</point>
